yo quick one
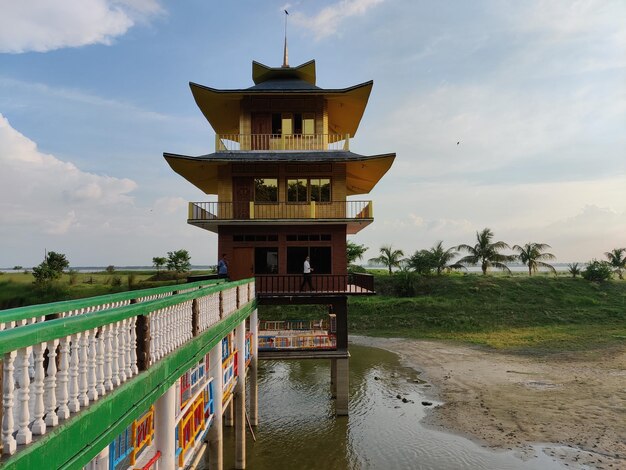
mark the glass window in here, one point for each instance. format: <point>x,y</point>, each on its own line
<point>320,189</point>
<point>297,190</point>
<point>265,260</point>
<point>266,190</point>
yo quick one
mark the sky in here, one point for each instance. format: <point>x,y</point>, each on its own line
<point>503,114</point>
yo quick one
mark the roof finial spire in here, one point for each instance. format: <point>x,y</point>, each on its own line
<point>285,55</point>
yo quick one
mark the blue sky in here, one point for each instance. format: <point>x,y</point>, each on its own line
<point>92,92</point>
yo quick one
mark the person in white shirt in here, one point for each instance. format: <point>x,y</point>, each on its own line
<point>306,274</point>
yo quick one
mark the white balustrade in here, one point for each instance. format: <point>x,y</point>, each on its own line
<point>45,383</point>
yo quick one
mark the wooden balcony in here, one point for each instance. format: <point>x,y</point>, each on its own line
<point>279,285</point>
<point>280,142</point>
<point>210,215</point>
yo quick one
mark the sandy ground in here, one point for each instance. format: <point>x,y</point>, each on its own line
<point>574,405</point>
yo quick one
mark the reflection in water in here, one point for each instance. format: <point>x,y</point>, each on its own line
<point>298,429</point>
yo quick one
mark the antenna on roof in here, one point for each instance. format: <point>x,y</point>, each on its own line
<point>285,55</point>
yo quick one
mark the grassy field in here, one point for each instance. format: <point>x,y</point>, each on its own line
<point>514,313</point>
<point>17,289</point>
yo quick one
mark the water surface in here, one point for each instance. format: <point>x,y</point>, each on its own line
<point>298,430</point>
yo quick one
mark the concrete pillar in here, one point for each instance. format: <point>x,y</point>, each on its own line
<point>341,404</point>
<point>239,402</point>
<point>229,415</point>
<point>164,428</point>
<point>101,462</point>
<point>214,458</point>
<point>254,368</point>
<point>333,378</point>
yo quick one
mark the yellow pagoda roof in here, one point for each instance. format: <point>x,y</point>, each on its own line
<point>222,107</point>
<point>362,171</point>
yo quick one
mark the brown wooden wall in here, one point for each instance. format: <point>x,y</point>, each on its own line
<point>337,242</point>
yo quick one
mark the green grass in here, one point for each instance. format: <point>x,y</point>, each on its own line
<point>513,313</point>
<point>17,289</point>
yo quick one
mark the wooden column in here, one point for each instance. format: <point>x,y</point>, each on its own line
<point>343,382</point>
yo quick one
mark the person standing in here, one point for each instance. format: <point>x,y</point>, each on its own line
<point>306,274</point>
<point>222,267</point>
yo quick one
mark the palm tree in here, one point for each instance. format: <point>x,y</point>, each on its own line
<point>617,260</point>
<point>574,269</point>
<point>354,252</point>
<point>531,254</point>
<point>389,257</point>
<point>485,252</point>
<point>441,258</point>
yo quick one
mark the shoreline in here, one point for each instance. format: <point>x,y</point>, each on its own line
<point>569,406</point>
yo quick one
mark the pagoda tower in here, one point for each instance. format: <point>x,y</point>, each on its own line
<point>284,175</point>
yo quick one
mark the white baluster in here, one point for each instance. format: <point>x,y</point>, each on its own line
<point>133,346</point>
<point>39,425</point>
<point>121,350</point>
<point>153,333</point>
<point>127,328</point>
<point>83,368</point>
<point>24,434</point>
<point>74,404</point>
<point>50,385</point>
<point>100,390</point>
<point>92,373</point>
<point>63,410</point>
<point>9,444</point>
<point>108,357</point>
<point>115,371</point>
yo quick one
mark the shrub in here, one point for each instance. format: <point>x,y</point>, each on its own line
<point>597,271</point>
<point>116,281</point>
<point>405,284</point>
<point>132,280</point>
<point>73,277</point>
<point>110,269</point>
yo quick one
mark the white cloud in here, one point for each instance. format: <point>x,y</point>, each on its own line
<point>328,21</point>
<point>51,191</point>
<point>94,219</point>
<point>45,25</point>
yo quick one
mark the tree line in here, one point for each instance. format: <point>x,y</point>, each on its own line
<point>488,254</point>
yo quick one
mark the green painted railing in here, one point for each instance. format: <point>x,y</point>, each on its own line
<point>33,312</point>
<point>81,379</point>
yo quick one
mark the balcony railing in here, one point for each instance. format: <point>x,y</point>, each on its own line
<point>280,142</point>
<point>341,210</point>
<point>323,284</point>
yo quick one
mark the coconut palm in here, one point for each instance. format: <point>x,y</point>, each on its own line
<point>574,269</point>
<point>485,252</point>
<point>389,257</point>
<point>442,258</point>
<point>531,254</point>
<point>617,260</point>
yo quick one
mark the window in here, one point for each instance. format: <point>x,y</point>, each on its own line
<point>321,260</point>
<point>297,190</point>
<point>265,260</point>
<point>320,189</point>
<point>304,190</point>
<point>287,124</point>
<point>266,190</point>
